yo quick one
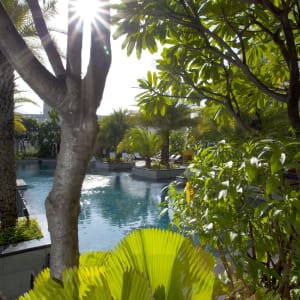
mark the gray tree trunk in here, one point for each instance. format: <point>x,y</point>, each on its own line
<point>62,204</point>
<point>8,207</point>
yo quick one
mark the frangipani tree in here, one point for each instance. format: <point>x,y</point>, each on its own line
<point>222,51</point>
<point>76,97</point>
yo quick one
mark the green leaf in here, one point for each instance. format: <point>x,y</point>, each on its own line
<point>169,262</point>
<point>149,78</point>
<point>272,184</point>
<point>130,46</point>
<point>147,264</point>
<point>151,44</point>
<point>136,286</point>
<point>276,161</point>
<point>251,172</point>
<point>163,111</point>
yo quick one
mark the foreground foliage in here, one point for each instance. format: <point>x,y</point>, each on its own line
<point>147,264</point>
<point>23,231</point>
<point>242,206</point>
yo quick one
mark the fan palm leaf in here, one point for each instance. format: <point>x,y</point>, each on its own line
<point>149,264</point>
<point>19,100</point>
<point>175,268</point>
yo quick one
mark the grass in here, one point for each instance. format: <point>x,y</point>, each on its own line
<point>24,231</point>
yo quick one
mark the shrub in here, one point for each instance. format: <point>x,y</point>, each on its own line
<point>24,231</point>
<point>240,205</point>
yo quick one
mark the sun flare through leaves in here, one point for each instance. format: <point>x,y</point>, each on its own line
<point>91,12</point>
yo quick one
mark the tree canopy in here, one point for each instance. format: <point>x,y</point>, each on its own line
<point>242,55</point>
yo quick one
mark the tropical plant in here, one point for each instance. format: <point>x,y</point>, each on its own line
<point>19,13</point>
<point>147,264</point>
<point>178,142</point>
<point>244,207</point>
<point>25,230</point>
<point>238,55</point>
<point>19,100</point>
<point>48,136</point>
<point>29,136</point>
<point>111,130</point>
<point>76,96</point>
<point>143,141</point>
<point>173,116</point>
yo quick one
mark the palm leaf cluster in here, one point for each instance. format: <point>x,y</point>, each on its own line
<point>147,264</point>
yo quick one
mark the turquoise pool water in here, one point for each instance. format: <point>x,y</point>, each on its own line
<point>112,204</point>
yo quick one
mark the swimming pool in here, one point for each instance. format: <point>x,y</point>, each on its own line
<point>112,204</point>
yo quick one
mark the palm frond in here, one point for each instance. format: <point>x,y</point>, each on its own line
<point>19,127</point>
<point>172,264</point>
<point>149,264</point>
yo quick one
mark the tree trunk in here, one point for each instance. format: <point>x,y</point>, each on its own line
<point>148,162</point>
<point>63,202</point>
<point>165,148</point>
<point>293,65</point>
<point>8,207</point>
<point>235,113</point>
<point>293,110</point>
<point>240,122</point>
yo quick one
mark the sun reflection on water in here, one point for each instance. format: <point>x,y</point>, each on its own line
<point>112,204</point>
<point>95,181</point>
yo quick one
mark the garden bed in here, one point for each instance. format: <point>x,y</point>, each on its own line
<point>157,174</point>
<point>21,262</point>
<point>114,166</point>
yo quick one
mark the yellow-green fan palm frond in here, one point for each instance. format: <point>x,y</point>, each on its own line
<point>19,101</point>
<point>149,264</point>
<point>174,267</point>
<point>19,127</point>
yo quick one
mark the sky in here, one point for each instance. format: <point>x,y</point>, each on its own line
<point>121,85</point>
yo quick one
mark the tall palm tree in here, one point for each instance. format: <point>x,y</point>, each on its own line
<point>8,208</point>
<point>19,13</point>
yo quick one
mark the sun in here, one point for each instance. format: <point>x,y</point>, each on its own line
<point>90,12</point>
<point>87,10</point>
